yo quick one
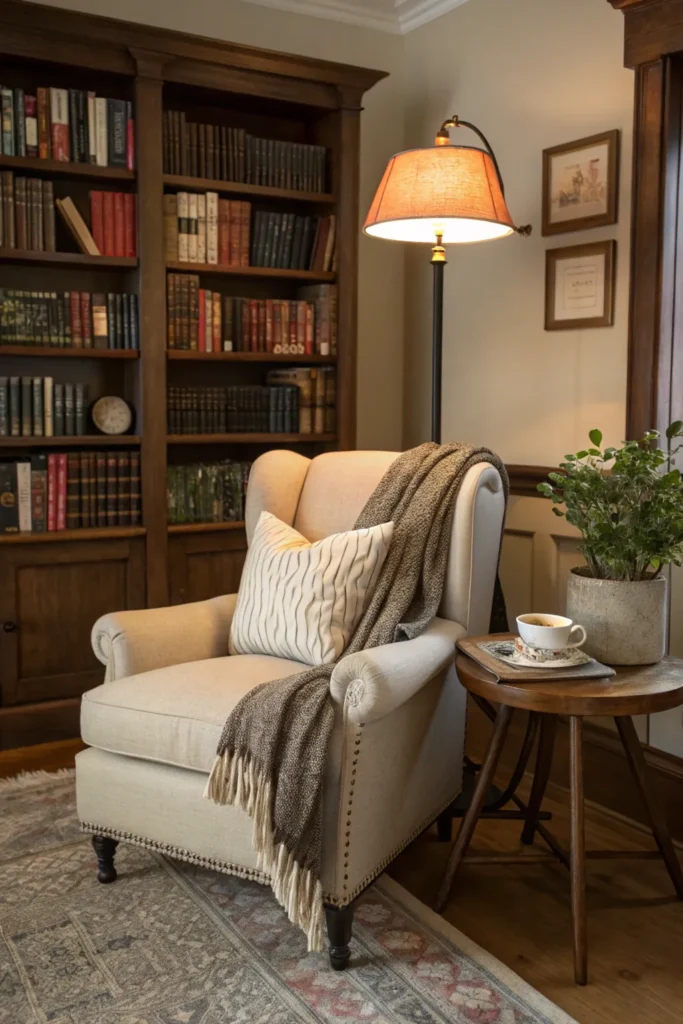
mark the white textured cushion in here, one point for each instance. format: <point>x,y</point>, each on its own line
<point>174,714</point>
<point>303,601</point>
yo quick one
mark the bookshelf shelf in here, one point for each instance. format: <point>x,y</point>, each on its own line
<point>203,527</point>
<point>259,272</point>
<point>66,170</point>
<point>103,533</point>
<point>184,355</point>
<point>67,259</point>
<point>242,189</point>
<point>83,441</point>
<point>250,438</point>
<point>49,351</point>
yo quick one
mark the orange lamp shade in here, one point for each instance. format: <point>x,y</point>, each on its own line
<point>453,191</point>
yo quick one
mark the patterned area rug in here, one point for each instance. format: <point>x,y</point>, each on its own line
<point>170,943</point>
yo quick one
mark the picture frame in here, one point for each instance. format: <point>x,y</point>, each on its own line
<point>581,184</point>
<point>580,286</point>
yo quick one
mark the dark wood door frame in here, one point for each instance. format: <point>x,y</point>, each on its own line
<point>653,47</point>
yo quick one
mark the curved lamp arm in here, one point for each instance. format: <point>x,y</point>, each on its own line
<point>443,139</point>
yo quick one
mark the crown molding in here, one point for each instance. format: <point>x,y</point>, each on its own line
<point>397,17</point>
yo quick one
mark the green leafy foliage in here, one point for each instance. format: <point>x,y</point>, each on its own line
<point>627,503</point>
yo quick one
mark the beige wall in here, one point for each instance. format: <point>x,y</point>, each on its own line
<point>530,74</point>
<point>380,370</point>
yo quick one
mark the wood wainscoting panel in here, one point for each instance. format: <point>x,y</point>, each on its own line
<point>205,565</point>
<point>52,596</point>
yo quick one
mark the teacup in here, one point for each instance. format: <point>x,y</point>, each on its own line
<point>550,632</point>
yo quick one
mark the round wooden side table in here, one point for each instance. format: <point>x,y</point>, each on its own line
<point>633,691</point>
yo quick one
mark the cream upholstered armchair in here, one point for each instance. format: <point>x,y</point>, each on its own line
<point>395,762</point>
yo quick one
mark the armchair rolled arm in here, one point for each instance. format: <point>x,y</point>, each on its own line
<point>137,641</point>
<point>373,683</point>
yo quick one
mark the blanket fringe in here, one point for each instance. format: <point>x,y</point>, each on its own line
<point>235,780</point>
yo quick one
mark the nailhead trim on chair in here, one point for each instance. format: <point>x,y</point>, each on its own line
<point>377,871</point>
<point>177,852</point>
<point>347,835</point>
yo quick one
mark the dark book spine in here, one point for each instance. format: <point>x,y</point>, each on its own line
<point>4,406</point>
<point>112,518</point>
<point>9,498</point>
<point>80,405</point>
<point>26,411</point>
<point>117,133</point>
<point>38,423</point>
<point>123,489</point>
<point>69,411</point>
<point>39,493</point>
<point>101,485</point>
<point>134,323</point>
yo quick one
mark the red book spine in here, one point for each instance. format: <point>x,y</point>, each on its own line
<point>245,233</point>
<point>235,233</point>
<point>223,232</point>
<point>108,206</point>
<point>130,144</point>
<point>60,142</point>
<point>61,491</point>
<point>129,224</point>
<point>76,327</point>
<point>269,325</point>
<point>86,320</point>
<point>52,492</point>
<point>293,325</point>
<point>254,321</point>
<point>202,320</point>
<point>97,219</point>
<point>246,328</point>
<point>119,225</point>
<point>262,326</point>
<point>43,104</point>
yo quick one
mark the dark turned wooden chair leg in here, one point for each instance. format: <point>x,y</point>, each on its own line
<point>469,822</point>
<point>578,852</point>
<point>660,829</point>
<point>339,929</point>
<point>105,849</point>
<point>544,760</point>
<point>444,826</point>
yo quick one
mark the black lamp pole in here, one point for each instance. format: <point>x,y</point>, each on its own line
<point>439,262</point>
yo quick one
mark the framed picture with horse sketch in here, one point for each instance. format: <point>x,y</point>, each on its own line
<point>581,184</point>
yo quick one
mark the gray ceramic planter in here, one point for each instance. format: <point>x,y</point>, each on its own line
<point>625,622</point>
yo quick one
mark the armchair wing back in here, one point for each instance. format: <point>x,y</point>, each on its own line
<point>325,495</point>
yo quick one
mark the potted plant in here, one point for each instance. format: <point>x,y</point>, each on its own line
<point>628,505</point>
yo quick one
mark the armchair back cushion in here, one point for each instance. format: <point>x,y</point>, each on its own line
<point>325,495</point>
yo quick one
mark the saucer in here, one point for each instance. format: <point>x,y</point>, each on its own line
<point>505,650</point>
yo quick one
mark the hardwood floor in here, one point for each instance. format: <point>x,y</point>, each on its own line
<point>521,914</point>
<point>48,757</point>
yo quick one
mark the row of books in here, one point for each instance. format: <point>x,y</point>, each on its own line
<point>231,154</point>
<point>291,242</point>
<point>238,409</point>
<point>67,125</point>
<point>202,228</point>
<point>113,221</point>
<point>203,492</point>
<point>205,321</point>
<point>27,213</point>
<point>37,407</point>
<point>78,490</point>
<point>69,319</point>
<point>293,401</point>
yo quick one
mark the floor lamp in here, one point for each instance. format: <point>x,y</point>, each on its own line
<point>442,195</point>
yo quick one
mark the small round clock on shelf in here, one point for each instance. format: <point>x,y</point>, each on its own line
<point>112,415</point>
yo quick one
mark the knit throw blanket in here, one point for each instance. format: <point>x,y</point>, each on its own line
<point>273,751</point>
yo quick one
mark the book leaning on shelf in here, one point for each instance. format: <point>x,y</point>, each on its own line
<point>37,407</point>
<point>112,216</point>
<point>69,125</point>
<point>207,492</point>
<point>78,490</point>
<point>230,154</point>
<point>69,319</point>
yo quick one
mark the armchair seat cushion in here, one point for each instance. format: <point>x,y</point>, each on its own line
<point>175,715</point>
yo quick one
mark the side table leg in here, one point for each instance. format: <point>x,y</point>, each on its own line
<point>578,856</point>
<point>541,774</point>
<point>469,822</point>
<point>660,829</point>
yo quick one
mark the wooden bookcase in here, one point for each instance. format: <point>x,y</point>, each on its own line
<point>55,585</point>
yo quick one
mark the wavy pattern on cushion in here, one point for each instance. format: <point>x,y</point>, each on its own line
<point>303,601</point>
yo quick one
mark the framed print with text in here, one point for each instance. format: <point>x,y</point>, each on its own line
<point>579,286</point>
<point>581,184</point>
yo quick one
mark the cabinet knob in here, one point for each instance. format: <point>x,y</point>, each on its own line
<point>9,627</point>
